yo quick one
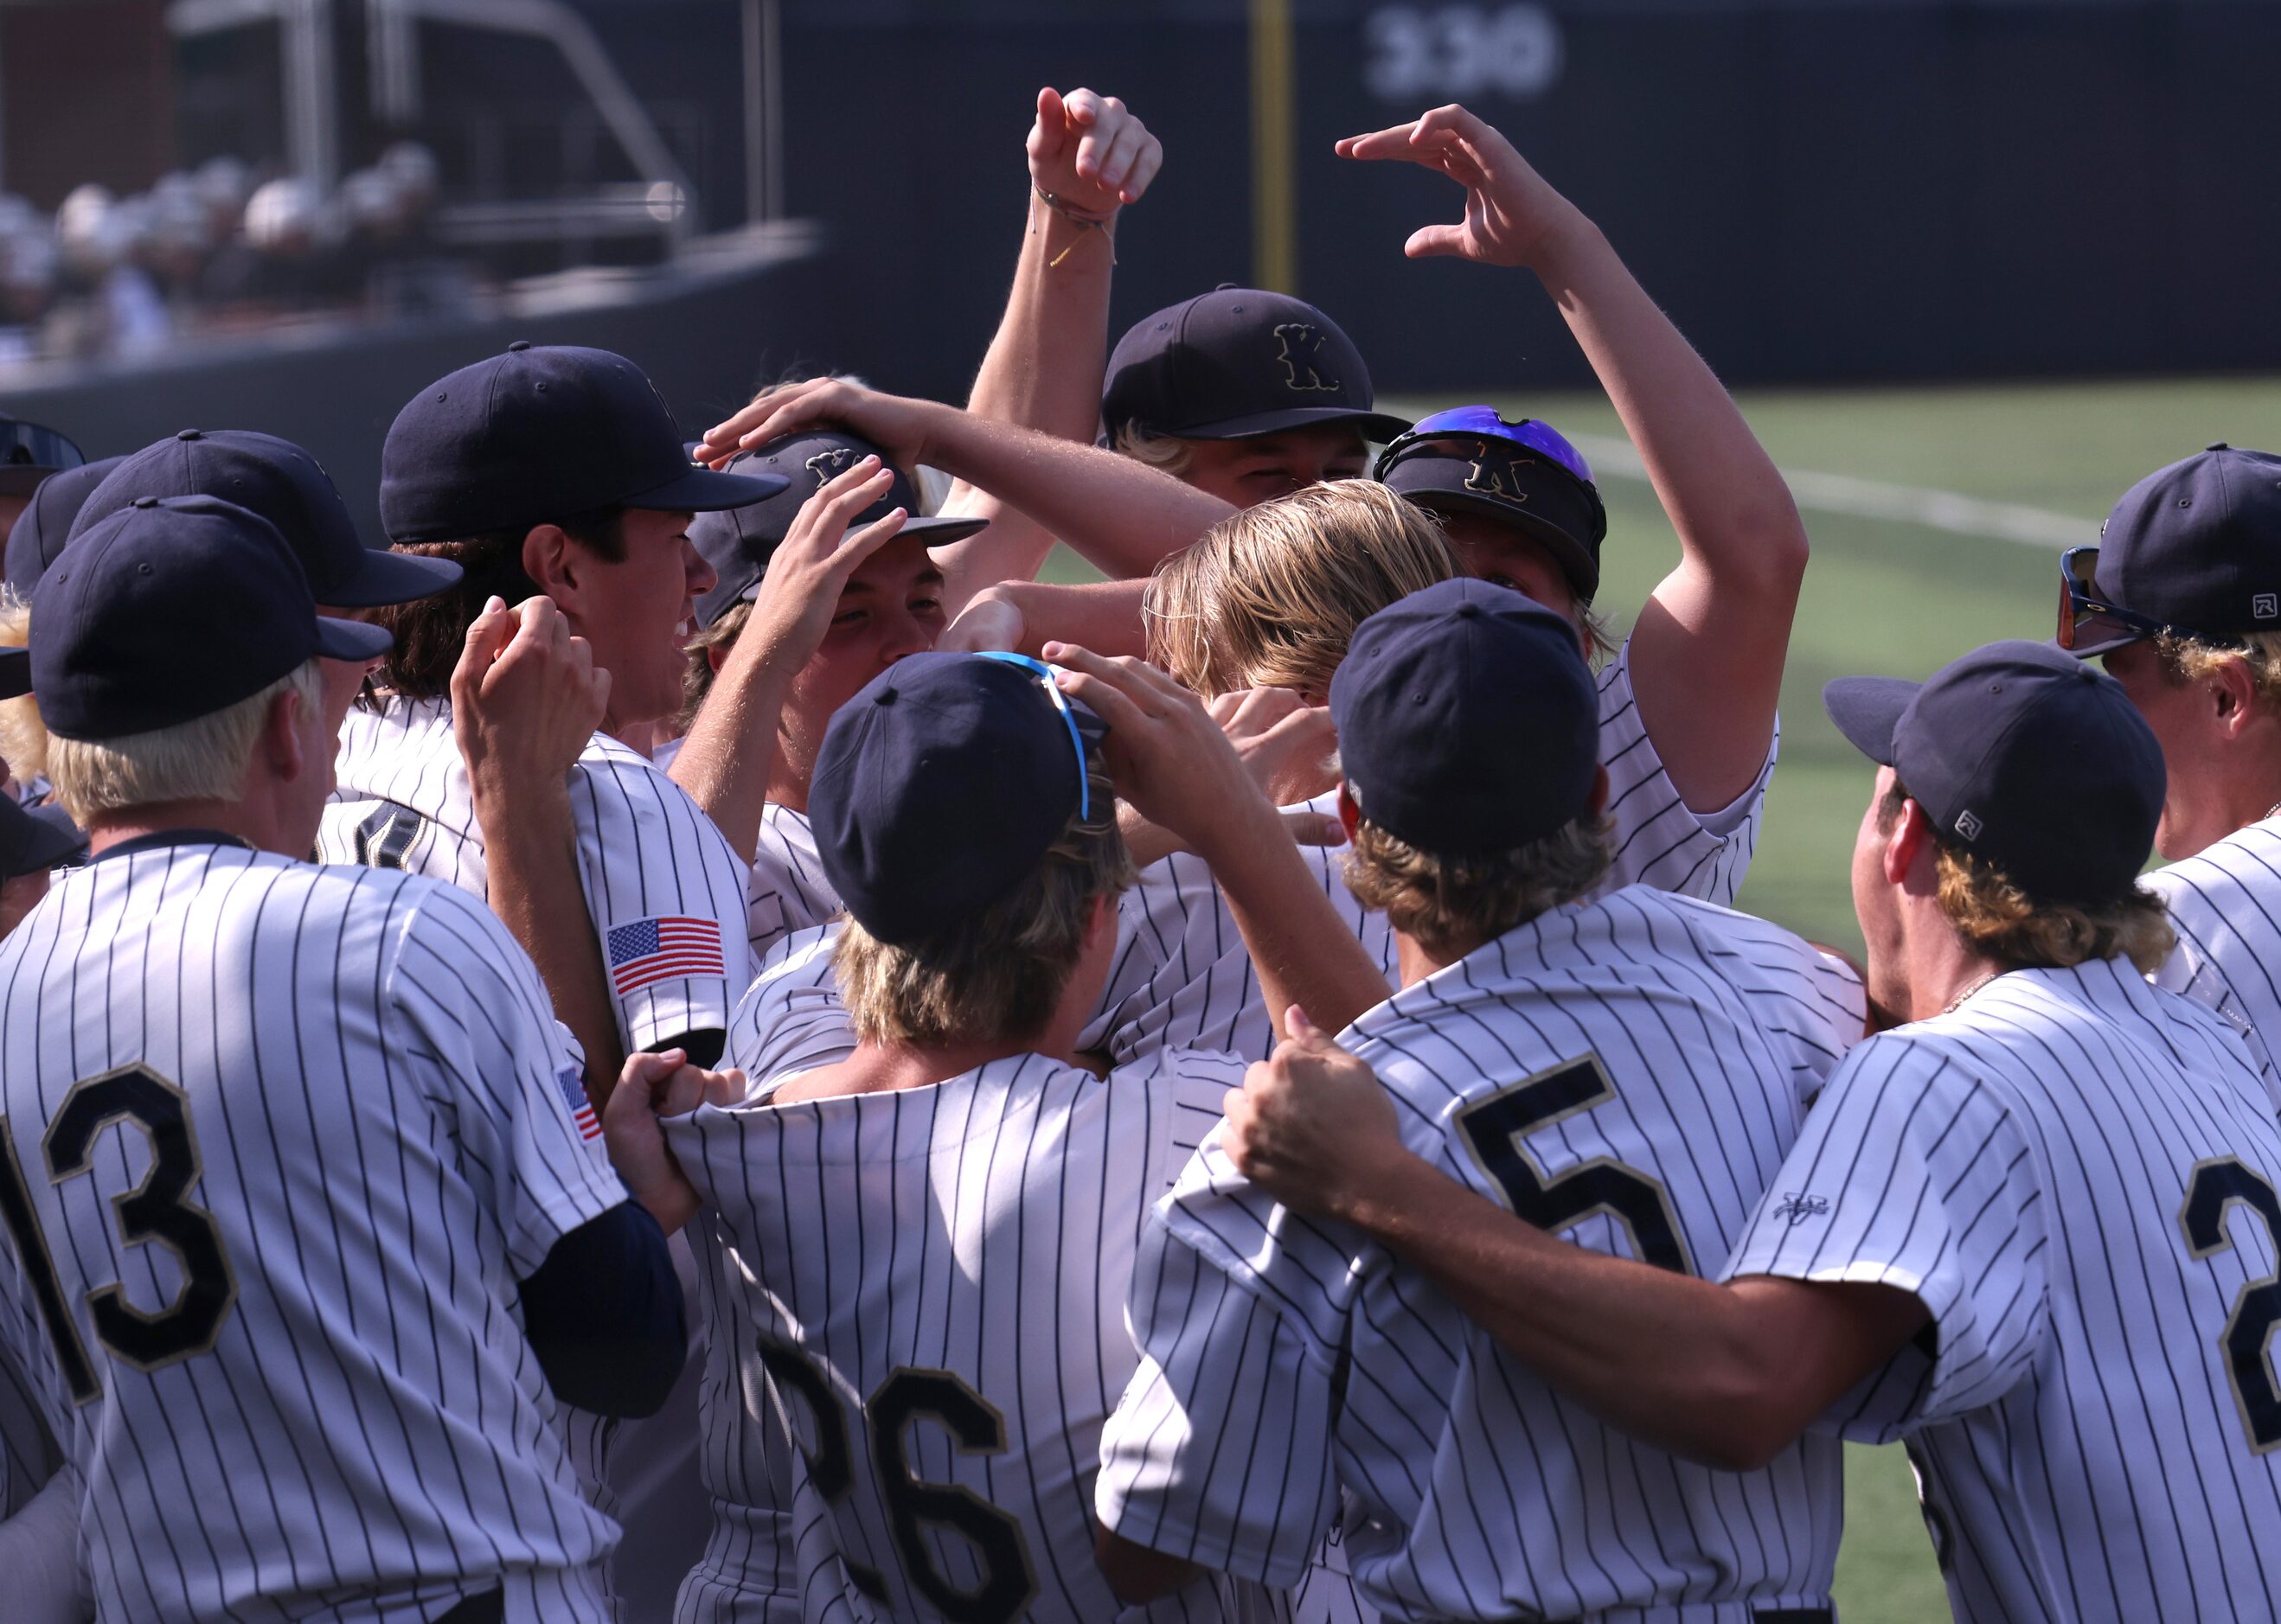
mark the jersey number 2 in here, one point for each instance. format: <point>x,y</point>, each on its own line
<point>157,1210</point>
<point>2217,1185</point>
<point>1010,1581</point>
<point>1496,1126</point>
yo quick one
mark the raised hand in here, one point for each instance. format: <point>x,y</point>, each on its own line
<point>1312,1126</point>
<point>810,567</point>
<point>1090,152</point>
<point>1286,744</point>
<point>989,622</point>
<point>526,695</point>
<point>1512,216</point>
<point>896,425</point>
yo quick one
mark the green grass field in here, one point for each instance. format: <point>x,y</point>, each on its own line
<point>1885,595</point>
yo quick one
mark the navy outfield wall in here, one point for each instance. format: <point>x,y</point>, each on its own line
<point>1850,190</point>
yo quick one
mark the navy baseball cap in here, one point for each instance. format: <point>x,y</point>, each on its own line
<point>738,542</point>
<point>1468,722</point>
<point>29,452</point>
<point>15,673</point>
<point>172,609</point>
<point>941,785</point>
<point>541,433</point>
<point>1239,361</point>
<point>2023,756</point>
<point>2194,548</point>
<point>1470,459</point>
<point>288,487</point>
<point>36,838</point>
<point>45,524</point>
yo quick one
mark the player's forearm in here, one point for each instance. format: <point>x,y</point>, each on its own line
<point>1302,950</point>
<point>531,859</point>
<point>1725,497</point>
<point>729,752</point>
<point>1122,515</point>
<point>1678,1362</point>
<point>1101,615</point>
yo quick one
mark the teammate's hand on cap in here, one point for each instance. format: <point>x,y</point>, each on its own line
<point>651,1087</point>
<point>526,695</point>
<point>987,624</point>
<point>1091,153</point>
<point>1170,759</point>
<point>809,569</point>
<point>1514,216</point>
<point>896,425</point>
<point>1288,745</point>
<point>1312,1125</point>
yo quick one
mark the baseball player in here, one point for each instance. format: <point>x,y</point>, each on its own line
<point>2033,1232</point>
<point>1629,1071</point>
<point>32,842</point>
<point>2181,600</point>
<point>478,469</point>
<point>29,452</point>
<point>921,1169</point>
<point>302,1110</point>
<point>40,530</point>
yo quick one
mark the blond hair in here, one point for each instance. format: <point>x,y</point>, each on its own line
<point>1166,453</point>
<point>23,737</point>
<point>2188,659</point>
<point>696,679</point>
<point>1451,906</point>
<point>1993,914</point>
<point>202,759</point>
<point>1269,597</point>
<point>997,976</point>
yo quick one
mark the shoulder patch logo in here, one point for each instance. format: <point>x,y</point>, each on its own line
<point>1796,1207</point>
<point>1301,355</point>
<point>827,465</point>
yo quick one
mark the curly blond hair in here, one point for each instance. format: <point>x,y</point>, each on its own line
<point>1451,906</point>
<point>1993,914</point>
<point>2187,659</point>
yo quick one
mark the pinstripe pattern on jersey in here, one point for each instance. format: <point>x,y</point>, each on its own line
<point>1182,979</point>
<point>644,848</point>
<point>2225,903</point>
<point>2021,1166</point>
<point>369,1064</point>
<point>985,1228</point>
<point>1284,1359</point>
<point>790,891</point>
<point>28,1453</point>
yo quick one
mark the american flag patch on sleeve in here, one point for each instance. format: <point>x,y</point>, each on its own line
<point>581,1109</point>
<point>647,951</point>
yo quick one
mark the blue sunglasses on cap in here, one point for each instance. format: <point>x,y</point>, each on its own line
<point>1045,673</point>
<point>1529,433</point>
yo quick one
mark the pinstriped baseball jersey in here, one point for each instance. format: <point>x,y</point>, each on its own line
<point>2075,1172</point>
<point>1627,1073</point>
<point>1182,979</point>
<point>664,888</point>
<point>2225,903</point>
<point>280,1142</point>
<point>29,1456</point>
<point>927,1288</point>
<point>790,891</point>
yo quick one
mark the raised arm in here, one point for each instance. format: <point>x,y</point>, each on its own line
<point>1088,157</point>
<point>1765,1357</point>
<point>1124,517</point>
<point>1707,653</point>
<point>526,697</point>
<point>731,749</point>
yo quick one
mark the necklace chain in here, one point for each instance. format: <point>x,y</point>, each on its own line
<point>1957,1002</point>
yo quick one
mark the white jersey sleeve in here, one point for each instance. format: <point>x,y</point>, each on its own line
<point>2225,905</point>
<point>789,891</point>
<point>1912,1173</point>
<point>1235,1355</point>
<point>790,1019</point>
<point>473,1020</point>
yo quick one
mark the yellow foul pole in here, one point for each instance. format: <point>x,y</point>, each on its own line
<point>1274,150</point>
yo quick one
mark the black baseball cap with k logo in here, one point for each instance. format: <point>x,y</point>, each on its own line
<point>1237,362</point>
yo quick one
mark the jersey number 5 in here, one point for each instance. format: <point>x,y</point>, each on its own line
<point>1010,1581</point>
<point>1496,1126</point>
<point>2216,1187</point>
<point>157,1210</point>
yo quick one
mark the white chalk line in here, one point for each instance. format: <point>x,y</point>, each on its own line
<point>1917,504</point>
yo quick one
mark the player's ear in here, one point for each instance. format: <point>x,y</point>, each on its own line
<point>2232,692</point>
<point>1908,844</point>
<point>280,743</point>
<point>1351,815</point>
<point>553,561</point>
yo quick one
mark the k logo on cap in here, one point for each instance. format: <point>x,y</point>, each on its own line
<point>1301,356</point>
<point>831,463</point>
